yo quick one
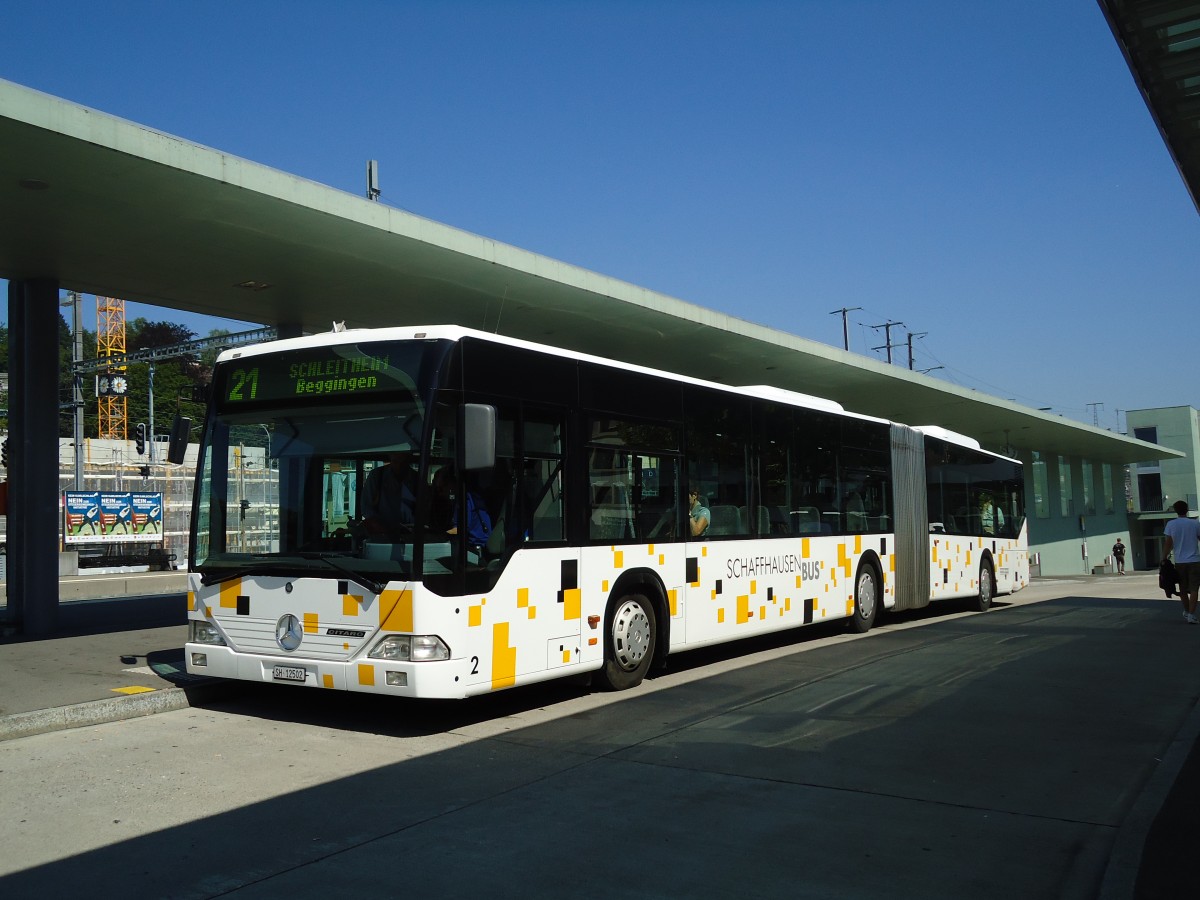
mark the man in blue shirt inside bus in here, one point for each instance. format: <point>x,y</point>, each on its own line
<point>479,523</point>
<point>1183,537</point>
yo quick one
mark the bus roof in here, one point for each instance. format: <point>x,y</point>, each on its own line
<point>953,437</point>
<point>457,333</point>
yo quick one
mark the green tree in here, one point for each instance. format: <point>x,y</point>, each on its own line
<point>64,369</point>
<point>173,377</point>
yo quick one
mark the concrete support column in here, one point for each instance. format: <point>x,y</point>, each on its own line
<point>33,490</point>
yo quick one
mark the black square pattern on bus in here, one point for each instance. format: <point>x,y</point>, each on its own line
<point>568,578</point>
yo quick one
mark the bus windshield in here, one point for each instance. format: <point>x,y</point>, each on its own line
<point>288,453</point>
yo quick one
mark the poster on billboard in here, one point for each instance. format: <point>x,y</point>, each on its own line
<point>91,517</point>
<point>146,521</point>
<point>81,511</point>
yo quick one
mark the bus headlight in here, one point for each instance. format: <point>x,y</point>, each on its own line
<point>205,633</point>
<point>411,648</point>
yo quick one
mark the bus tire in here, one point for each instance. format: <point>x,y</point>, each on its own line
<point>987,588</point>
<point>867,598</point>
<point>631,631</point>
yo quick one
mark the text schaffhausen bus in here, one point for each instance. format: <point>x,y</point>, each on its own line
<point>784,564</point>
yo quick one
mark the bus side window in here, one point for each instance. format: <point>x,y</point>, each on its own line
<point>657,498</point>
<point>541,486</point>
<point>544,486</point>
<point>720,458</point>
<point>632,482</point>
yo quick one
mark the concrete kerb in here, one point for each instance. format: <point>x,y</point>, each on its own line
<point>1125,859</point>
<point>114,709</point>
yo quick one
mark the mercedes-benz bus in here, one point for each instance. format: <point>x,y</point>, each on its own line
<point>594,557</point>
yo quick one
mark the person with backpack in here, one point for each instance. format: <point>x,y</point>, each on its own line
<point>1118,552</point>
<point>1183,539</point>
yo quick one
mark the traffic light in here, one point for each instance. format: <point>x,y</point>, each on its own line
<point>181,430</point>
<point>141,439</point>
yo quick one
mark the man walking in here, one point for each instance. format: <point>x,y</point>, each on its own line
<point>1183,537</point>
<point>1118,553</point>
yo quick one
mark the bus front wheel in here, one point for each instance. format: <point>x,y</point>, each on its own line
<point>866,599</point>
<point>629,650</point>
<point>987,588</point>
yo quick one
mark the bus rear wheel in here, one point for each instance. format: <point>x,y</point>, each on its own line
<point>987,588</point>
<point>866,599</point>
<point>632,634</point>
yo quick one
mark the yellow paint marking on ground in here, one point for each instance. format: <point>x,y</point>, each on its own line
<point>134,689</point>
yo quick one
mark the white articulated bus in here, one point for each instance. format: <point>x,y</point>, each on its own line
<point>540,521</point>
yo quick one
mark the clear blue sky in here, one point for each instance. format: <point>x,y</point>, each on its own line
<point>986,173</point>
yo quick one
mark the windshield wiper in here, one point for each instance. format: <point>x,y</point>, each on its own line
<point>216,576</point>
<point>375,587</point>
<point>278,567</point>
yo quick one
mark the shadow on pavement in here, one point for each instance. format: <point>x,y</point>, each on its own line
<point>84,617</point>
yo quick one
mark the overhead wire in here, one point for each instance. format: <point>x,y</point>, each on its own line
<point>952,374</point>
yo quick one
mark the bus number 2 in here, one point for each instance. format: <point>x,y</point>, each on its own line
<point>474,665</point>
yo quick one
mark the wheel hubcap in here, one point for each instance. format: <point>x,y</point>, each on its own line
<point>866,596</point>
<point>631,635</point>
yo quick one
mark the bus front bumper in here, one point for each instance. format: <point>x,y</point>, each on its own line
<point>429,679</point>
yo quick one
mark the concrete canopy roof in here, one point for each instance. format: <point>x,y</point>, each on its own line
<point>109,207</point>
<point>1161,43</point>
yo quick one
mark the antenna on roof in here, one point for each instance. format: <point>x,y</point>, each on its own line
<point>372,179</point>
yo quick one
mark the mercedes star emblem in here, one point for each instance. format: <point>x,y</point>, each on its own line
<point>289,632</point>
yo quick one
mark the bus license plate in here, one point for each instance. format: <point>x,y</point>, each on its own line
<point>288,673</point>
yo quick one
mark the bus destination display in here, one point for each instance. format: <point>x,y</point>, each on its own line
<point>339,372</point>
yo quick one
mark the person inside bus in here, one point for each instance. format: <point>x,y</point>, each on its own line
<point>479,523</point>
<point>698,514</point>
<point>991,518</point>
<point>389,496</point>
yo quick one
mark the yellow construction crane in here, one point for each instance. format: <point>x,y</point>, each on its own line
<point>111,382</point>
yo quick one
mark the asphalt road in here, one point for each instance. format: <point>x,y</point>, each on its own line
<point>1015,753</point>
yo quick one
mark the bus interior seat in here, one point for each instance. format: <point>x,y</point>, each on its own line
<point>493,551</point>
<point>725,520</point>
<point>612,524</point>
<point>658,524</point>
<point>807,520</point>
<point>494,548</point>
<point>856,513</point>
<point>763,516</point>
<point>612,515</point>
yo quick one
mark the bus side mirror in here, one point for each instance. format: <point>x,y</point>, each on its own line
<point>479,436</point>
<point>181,430</point>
